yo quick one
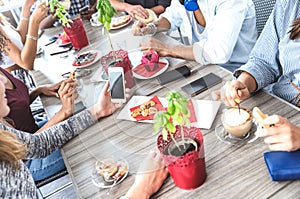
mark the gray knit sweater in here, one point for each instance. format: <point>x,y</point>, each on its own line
<point>19,183</point>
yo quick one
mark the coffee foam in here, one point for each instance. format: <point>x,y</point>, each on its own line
<point>233,117</point>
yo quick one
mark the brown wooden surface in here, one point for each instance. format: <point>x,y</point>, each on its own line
<point>232,171</point>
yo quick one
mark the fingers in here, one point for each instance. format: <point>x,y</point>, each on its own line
<point>106,89</point>
<point>234,90</point>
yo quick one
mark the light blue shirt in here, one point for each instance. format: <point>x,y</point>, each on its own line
<point>229,35</point>
<point>275,59</point>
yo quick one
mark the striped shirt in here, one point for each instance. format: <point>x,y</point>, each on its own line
<point>275,59</point>
<point>19,183</point>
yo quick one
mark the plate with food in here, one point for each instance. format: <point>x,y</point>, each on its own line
<point>109,172</point>
<point>147,64</point>
<point>200,119</point>
<point>120,22</point>
<point>86,59</point>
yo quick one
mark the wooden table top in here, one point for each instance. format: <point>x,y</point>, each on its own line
<point>233,171</point>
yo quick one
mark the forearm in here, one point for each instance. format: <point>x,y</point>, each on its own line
<point>199,17</point>
<point>58,117</point>
<point>47,22</point>
<point>248,80</point>
<point>24,22</point>
<point>119,6</point>
<point>28,53</point>
<point>162,24</point>
<point>35,93</point>
<point>158,9</point>
<point>182,52</point>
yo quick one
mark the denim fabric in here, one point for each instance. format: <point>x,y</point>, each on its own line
<point>45,167</point>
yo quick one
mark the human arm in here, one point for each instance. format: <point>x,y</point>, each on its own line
<point>25,57</point>
<point>282,135</point>
<point>23,25</point>
<point>42,144</point>
<point>226,25</point>
<point>164,50</point>
<point>263,63</point>
<point>91,10</point>
<point>150,177</point>
<point>48,22</point>
<point>238,89</point>
<point>130,9</point>
<point>67,95</point>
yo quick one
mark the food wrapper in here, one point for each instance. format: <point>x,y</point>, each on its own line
<point>157,105</point>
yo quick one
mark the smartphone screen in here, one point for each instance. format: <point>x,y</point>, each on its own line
<point>201,84</point>
<point>117,87</point>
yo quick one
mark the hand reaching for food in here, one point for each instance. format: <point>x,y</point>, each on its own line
<point>278,132</point>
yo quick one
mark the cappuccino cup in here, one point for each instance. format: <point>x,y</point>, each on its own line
<point>237,122</point>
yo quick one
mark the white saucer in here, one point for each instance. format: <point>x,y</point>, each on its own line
<point>225,137</point>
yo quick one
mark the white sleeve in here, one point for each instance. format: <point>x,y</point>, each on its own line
<point>221,32</point>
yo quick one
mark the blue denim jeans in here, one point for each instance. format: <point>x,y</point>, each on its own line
<point>45,167</point>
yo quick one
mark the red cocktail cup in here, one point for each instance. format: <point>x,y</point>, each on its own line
<point>77,33</point>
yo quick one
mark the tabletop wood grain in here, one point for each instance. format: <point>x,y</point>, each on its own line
<point>233,171</point>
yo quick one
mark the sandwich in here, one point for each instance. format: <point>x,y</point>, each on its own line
<point>152,17</point>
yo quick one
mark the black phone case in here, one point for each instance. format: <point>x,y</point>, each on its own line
<point>173,75</point>
<point>201,84</point>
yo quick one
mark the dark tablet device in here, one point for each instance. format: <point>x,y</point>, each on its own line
<point>201,84</point>
<point>173,75</point>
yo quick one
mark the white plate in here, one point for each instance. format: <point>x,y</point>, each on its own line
<point>118,27</point>
<point>135,57</point>
<point>205,110</point>
<point>98,180</point>
<point>98,56</point>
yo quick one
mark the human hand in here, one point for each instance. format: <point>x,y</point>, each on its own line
<point>137,28</point>
<point>137,10</point>
<point>52,90</point>
<point>150,177</point>
<point>88,13</point>
<point>282,135</point>
<point>233,90</point>
<point>67,94</point>
<point>153,44</point>
<point>40,12</point>
<point>104,106</point>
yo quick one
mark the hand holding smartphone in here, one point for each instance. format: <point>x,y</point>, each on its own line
<point>201,84</point>
<point>117,84</point>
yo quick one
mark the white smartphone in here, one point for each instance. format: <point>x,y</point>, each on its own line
<point>117,84</point>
